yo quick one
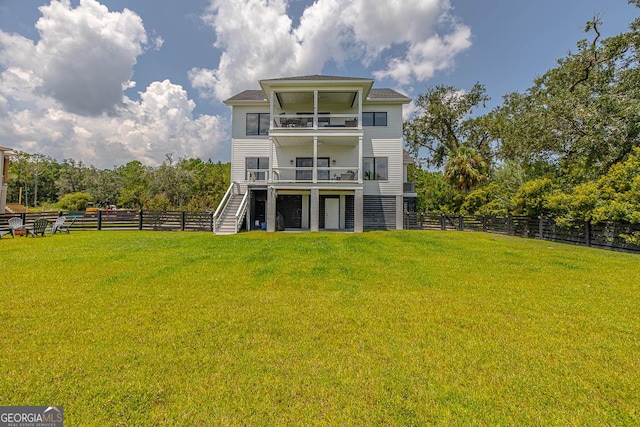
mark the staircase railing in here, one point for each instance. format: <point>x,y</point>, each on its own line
<point>242,210</point>
<point>217,215</point>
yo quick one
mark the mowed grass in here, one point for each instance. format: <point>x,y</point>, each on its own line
<point>380,328</point>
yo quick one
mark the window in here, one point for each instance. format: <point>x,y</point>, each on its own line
<point>374,119</point>
<point>307,162</point>
<point>375,168</point>
<point>257,168</point>
<point>258,123</point>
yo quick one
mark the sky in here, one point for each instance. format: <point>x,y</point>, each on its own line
<point>110,81</point>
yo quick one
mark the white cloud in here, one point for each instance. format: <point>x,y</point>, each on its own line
<point>425,58</point>
<point>160,123</point>
<point>89,83</point>
<point>415,37</point>
<point>68,105</point>
<point>256,40</point>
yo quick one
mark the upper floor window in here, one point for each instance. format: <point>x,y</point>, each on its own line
<point>374,118</point>
<point>258,123</point>
<point>375,168</point>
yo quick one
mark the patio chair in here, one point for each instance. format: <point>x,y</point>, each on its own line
<point>60,225</point>
<point>39,227</point>
<point>16,224</point>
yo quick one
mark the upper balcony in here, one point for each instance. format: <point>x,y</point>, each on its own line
<point>309,121</point>
<point>320,105</point>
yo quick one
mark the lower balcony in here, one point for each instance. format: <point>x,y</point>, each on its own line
<point>304,175</point>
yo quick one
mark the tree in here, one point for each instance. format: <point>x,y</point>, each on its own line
<point>465,169</point>
<point>435,194</point>
<point>443,123</point>
<point>134,178</point>
<point>71,178</point>
<point>581,117</point>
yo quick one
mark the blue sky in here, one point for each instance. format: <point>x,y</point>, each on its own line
<point>110,81</point>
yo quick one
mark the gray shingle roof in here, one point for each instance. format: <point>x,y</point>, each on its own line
<point>406,158</point>
<point>385,93</point>
<point>316,77</point>
<point>374,94</point>
<point>248,95</point>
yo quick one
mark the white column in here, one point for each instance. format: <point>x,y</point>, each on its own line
<point>359,108</point>
<point>360,172</point>
<point>249,218</point>
<point>399,212</point>
<point>315,159</point>
<point>315,209</point>
<point>343,211</point>
<point>305,211</point>
<point>358,211</point>
<point>270,177</point>
<point>271,117</point>
<point>315,109</point>
<point>271,209</point>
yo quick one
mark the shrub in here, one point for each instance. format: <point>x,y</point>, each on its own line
<point>531,198</point>
<point>75,201</point>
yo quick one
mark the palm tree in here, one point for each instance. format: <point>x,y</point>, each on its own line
<point>465,168</point>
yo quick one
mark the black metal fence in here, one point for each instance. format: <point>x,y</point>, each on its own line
<point>123,220</point>
<point>605,235</point>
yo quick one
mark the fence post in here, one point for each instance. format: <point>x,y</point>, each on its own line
<point>587,232</point>
<point>461,222</point>
<point>484,223</point>
<point>541,227</point>
<point>183,220</point>
<point>140,219</point>
<point>99,219</point>
<point>443,226</point>
<point>211,221</point>
<point>509,225</point>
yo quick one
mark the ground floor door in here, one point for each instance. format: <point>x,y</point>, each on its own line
<point>290,207</point>
<point>331,213</point>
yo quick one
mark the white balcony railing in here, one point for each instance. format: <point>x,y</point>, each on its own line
<point>285,121</point>
<point>257,175</point>
<point>324,174</point>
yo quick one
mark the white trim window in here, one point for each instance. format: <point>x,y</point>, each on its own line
<point>258,123</point>
<point>374,118</point>
<point>375,168</point>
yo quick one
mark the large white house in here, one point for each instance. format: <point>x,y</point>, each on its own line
<point>316,153</point>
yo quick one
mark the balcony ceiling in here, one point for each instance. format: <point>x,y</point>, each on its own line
<point>292,141</point>
<point>301,98</point>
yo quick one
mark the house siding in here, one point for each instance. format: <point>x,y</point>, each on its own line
<point>241,149</point>
<point>385,141</point>
<point>391,149</point>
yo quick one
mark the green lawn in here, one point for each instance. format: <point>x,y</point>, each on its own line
<point>380,328</point>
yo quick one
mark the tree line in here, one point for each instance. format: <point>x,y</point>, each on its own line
<point>569,146</point>
<point>188,184</point>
